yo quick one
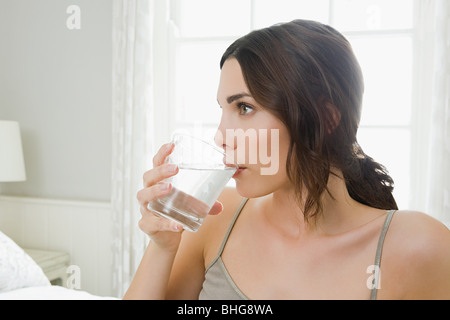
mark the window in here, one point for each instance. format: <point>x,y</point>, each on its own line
<point>383,34</point>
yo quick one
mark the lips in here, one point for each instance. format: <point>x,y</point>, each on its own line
<point>228,163</point>
<point>239,171</point>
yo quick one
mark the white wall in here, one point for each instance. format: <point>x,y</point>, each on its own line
<point>57,83</point>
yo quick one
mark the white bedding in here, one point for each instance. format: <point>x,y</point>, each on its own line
<point>17,269</point>
<point>22,279</point>
<point>49,293</point>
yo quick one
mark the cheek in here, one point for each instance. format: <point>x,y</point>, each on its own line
<point>260,147</point>
<point>244,146</point>
<point>272,151</point>
<point>269,174</point>
<point>247,146</point>
<point>273,146</point>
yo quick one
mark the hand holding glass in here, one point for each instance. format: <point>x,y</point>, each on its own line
<point>203,174</point>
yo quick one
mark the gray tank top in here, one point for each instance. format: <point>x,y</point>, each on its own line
<point>218,284</point>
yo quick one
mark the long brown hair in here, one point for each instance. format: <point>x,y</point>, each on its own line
<point>307,75</point>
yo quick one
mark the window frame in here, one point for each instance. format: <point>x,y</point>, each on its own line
<point>165,40</point>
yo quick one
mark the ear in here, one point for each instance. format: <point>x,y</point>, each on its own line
<point>333,117</point>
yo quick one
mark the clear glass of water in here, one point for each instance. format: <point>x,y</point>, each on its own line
<point>203,173</point>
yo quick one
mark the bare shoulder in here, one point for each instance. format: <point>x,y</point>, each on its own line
<point>230,200</point>
<point>418,248</point>
<point>209,237</point>
<point>421,230</point>
<point>215,227</point>
<point>197,249</point>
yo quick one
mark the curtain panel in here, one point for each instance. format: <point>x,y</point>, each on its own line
<point>132,111</point>
<point>438,199</point>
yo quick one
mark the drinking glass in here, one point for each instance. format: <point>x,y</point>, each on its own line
<point>203,174</point>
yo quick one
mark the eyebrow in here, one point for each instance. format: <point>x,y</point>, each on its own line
<point>238,96</point>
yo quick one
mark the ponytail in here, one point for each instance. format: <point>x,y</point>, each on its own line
<point>369,182</point>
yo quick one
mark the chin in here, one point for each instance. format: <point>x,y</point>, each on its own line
<point>255,188</point>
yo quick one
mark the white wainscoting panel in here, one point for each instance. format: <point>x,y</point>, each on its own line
<point>82,229</point>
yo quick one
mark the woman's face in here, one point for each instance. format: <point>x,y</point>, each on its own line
<point>253,137</point>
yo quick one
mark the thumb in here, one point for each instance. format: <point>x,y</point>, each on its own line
<point>216,208</point>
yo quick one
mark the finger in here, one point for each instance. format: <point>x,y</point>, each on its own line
<point>151,193</point>
<point>159,173</point>
<point>151,223</point>
<point>216,208</point>
<point>163,152</point>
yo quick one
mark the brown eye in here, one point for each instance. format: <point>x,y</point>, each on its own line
<point>245,108</point>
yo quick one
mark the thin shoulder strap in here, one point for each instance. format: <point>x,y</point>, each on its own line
<point>227,235</point>
<point>230,228</point>
<point>377,264</point>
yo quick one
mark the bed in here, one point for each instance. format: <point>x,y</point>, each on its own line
<point>22,279</point>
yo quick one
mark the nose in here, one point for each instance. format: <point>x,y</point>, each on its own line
<point>228,147</point>
<point>221,137</point>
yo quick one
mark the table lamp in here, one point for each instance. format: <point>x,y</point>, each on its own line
<point>12,166</point>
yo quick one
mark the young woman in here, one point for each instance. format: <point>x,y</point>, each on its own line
<point>317,227</point>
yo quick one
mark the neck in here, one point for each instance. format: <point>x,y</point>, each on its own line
<point>284,213</point>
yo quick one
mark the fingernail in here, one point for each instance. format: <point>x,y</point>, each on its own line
<point>177,227</point>
<point>164,186</point>
<point>172,168</point>
<point>169,146</point>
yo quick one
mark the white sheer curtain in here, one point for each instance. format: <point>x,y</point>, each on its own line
<point>439,178</point>
<point>132,109</point>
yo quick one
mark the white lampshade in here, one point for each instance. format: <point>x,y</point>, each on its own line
<point>12,166</point>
